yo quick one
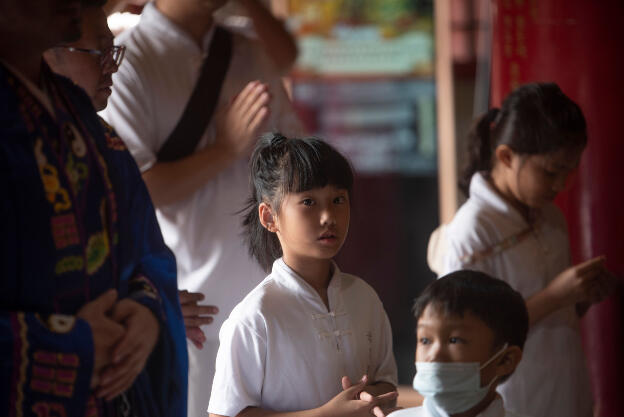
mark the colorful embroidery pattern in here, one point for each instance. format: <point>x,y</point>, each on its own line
<point>113,141</point>
<point>54,373</point>
<point>69,264</point>
<point>46,409</point>
<point>56,195</point>
<point>64,230</point>
<point>97,252</point>
<point>21,354</point>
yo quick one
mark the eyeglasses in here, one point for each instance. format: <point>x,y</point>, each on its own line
<point>112,55</point>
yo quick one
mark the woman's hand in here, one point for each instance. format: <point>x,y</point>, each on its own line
<point>131,353</point>
<point>105,331</point>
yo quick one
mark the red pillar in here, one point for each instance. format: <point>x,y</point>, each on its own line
<point>578,44</point>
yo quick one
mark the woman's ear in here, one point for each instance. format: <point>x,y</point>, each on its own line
<point>504,154</point>
<point>506,365</point>
<point>266,217</point>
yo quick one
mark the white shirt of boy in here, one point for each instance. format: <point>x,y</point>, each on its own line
<point>495,409</point>
<point>282,349</point>
<point>161,66</point>
<point>553,350</point>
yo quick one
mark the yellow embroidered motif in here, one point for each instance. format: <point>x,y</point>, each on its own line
<point>69,264</point>
<point>61,323</point>
<point>97,251</point>
<point>56,195</point>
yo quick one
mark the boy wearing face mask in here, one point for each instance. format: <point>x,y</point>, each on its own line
<point>471,329</point>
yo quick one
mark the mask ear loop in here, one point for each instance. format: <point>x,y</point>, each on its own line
<point>492,359</point>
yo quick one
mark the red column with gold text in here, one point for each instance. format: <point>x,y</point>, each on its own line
<point>578,45</point>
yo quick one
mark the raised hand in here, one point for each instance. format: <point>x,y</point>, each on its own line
<point>132,351</point>
<point>239,124</point>
<point>386,401</point>
<point>105,332</point>
<point>347,403</point>
<point>195,315</point>
<point>580,283</point>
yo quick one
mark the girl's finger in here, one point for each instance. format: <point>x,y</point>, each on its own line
<point>251,98</point>
<point>258,119</point>
<point>262,101</point>
<point>120,385</point>
<point>240,97</point>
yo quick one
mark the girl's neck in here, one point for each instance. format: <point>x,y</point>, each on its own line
<point>316,272</point>
<point>497,180</point>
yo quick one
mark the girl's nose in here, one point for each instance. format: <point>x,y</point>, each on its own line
<point>327,217</point>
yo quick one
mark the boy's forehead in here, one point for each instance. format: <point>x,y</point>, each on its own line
<point>436,315</point>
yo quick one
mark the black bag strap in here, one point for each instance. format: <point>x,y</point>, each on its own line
<point>199,110</point>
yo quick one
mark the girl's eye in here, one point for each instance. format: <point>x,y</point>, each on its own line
<point>424,341</point>
<point>340,200</point>
<point>307,202</point>
<point>455,340</point>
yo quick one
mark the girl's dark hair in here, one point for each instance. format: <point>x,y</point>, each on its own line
<point>281,165</point>
<point>534,119</point>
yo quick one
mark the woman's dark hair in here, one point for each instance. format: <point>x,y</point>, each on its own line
<point>491,300</point>
<point>281,165</point>
<point>534,119</point>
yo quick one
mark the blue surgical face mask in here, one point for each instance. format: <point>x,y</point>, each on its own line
<point>452,386</point>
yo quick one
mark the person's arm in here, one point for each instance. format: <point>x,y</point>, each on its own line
<point>278,43</point>
<point>237,128</point>
<point>345,404</point>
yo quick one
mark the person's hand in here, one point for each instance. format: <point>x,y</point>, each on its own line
<point>105,332</point>
<point>132,351</point>
<point>386,404</point>
<point>347,404</point>
<point>579,283</point>
<point>239,124</point>
<point>195,315</point>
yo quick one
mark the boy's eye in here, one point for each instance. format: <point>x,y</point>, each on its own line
<point>454,340</point>
<point>424,341</point>
<point>307,202</point>
<point>340,200</point>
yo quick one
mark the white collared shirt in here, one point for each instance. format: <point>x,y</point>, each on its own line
<point>151,89</point>
<point>283,350</point>
<point>495,409</point>
<point>552,379</point>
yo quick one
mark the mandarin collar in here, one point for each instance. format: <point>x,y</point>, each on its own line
<point>290,279</point>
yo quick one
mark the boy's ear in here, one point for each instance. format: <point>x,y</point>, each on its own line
<point>508,362</point>
<point>266,217</point>
<point>504,154</point>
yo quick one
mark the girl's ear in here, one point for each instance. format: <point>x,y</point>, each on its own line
<point>266,217</point>
<point>504,155</point>
<point>507,363</point>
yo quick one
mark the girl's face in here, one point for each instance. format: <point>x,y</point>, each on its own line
<point>535,180</point>
<point>313,224</point>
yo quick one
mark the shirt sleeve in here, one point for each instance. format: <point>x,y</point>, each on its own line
<point>130,112</point>
<point>386,370</point>
<point>47,364</point>
<point>239,367</point>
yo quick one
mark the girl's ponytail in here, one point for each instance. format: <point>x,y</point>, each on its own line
<point>480,148</point>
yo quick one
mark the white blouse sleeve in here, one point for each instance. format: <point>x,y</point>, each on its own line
<point>386,370</point>
<point>239,367</point>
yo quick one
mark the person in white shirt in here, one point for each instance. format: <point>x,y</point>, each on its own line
<point>521,157</point>
<point>470,330</point>
<point>197,197</point>
<point>295,343</point>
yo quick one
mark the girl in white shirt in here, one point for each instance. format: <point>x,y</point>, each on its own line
<point>520,158</point>
<point>298,340</point>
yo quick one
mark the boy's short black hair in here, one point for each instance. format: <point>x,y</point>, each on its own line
<point>491,300</point>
